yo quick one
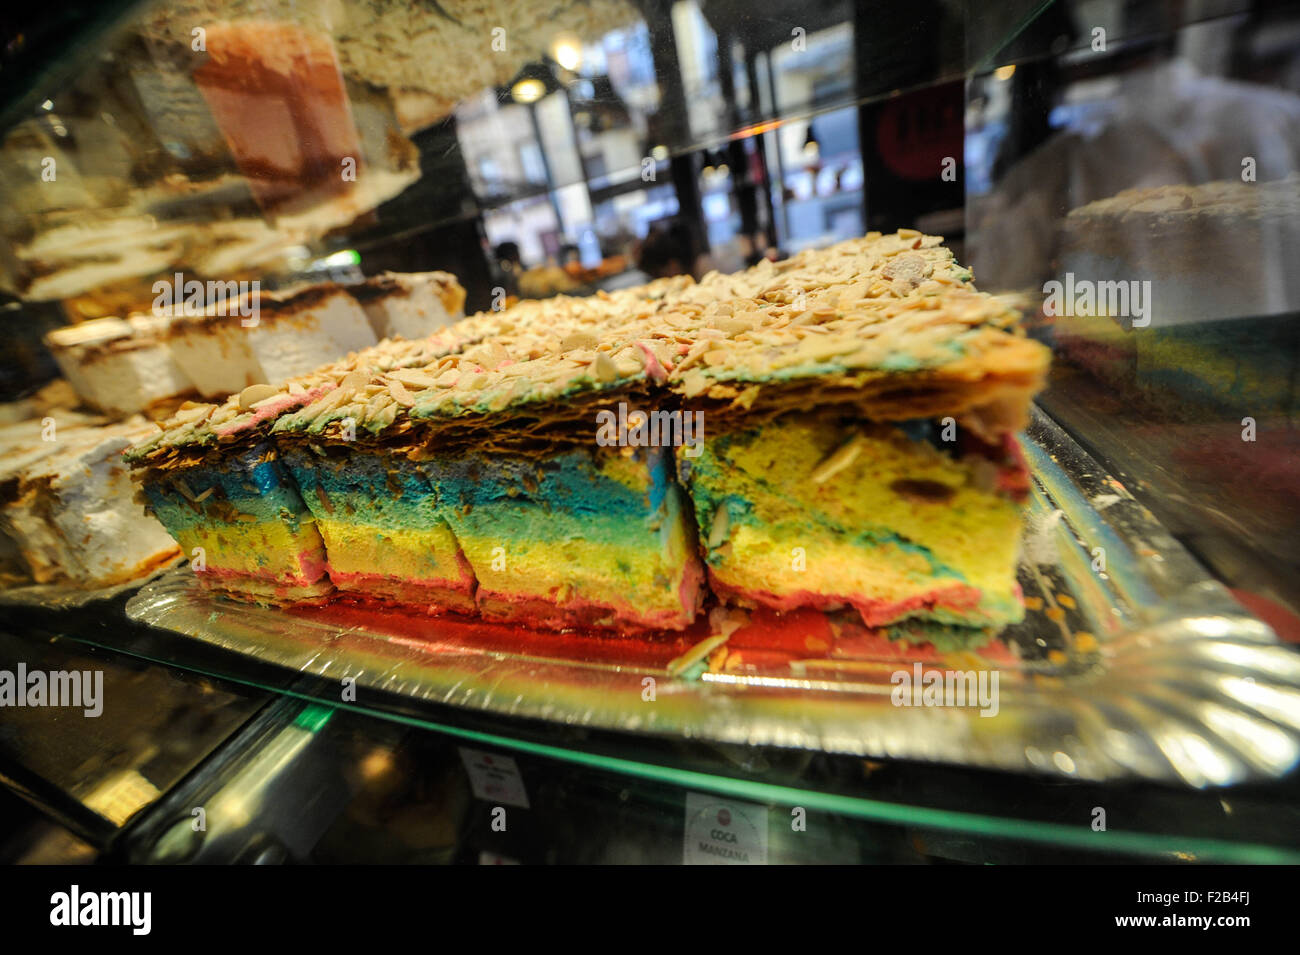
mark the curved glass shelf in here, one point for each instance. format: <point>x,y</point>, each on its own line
<point>1247,825</point>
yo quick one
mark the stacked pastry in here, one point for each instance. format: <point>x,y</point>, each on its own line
<point>66,509</point>
<point>147,362</point>
<point>834,431</point>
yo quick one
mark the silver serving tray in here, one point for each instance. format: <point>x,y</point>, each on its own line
<point>1132,661</point>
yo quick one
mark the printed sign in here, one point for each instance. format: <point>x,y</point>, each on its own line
<point>494,778</point>
<point>724,832</point>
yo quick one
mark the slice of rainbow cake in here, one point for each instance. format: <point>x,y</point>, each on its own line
<point>582,537</point>
<point>215,480</point>
<point>495,492</point>
<point>862,449</point>
<point>244,528</point>
<point>385,536</point>
<point>828,512</point>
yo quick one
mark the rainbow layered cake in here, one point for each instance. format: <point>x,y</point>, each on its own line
<point>210,472</point>
<point>242,523</point>
<point>215,481</point>
<point>574,538</point>
<point>832,431</point>
<point>590,537</point>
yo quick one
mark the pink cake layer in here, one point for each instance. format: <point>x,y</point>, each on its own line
<point>434,595</point>
<point>959,598</point>
<point>311,561</point>
<point>312,585</point>
<point>535,612</point>
<point>262,591</point>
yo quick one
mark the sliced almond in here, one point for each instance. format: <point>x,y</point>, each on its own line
<point>747,397</point>
<point>578,339</point>
<point>414,378</point>
<point>255,393</point>
<point>604,367</point>
<point>355,380</point>
<point>692,356</point>
<point>713,357</point>
<point>843,456</point>
<point>910,267</point>
<point>734,325</point>
<point>376,404</point>
<point>822,349</point>
<point>694,383</point>
<point>325,404</point>
<point>193,413</point>
<point>720,528</point>
<point>386,416</point>
<point>695,654</point>
<point>400,394</point>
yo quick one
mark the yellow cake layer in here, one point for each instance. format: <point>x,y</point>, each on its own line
<point>255,548</point>
<point>647,578</point>
<point>782,562</point>
<point>415,554</point>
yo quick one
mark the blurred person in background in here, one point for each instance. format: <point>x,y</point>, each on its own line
<point>1168,120</point>
<point>670,248</point>
<point>507,266</point>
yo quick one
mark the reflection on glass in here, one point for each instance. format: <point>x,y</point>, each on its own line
<point>1143,195</point>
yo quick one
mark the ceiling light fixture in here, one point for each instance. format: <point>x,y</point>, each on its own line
<point>567,51</point>
<point>812,149</point>
<point>532,83</point>
<point>527,90</point>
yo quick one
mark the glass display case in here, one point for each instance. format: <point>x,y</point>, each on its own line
<point>1122,178</point>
